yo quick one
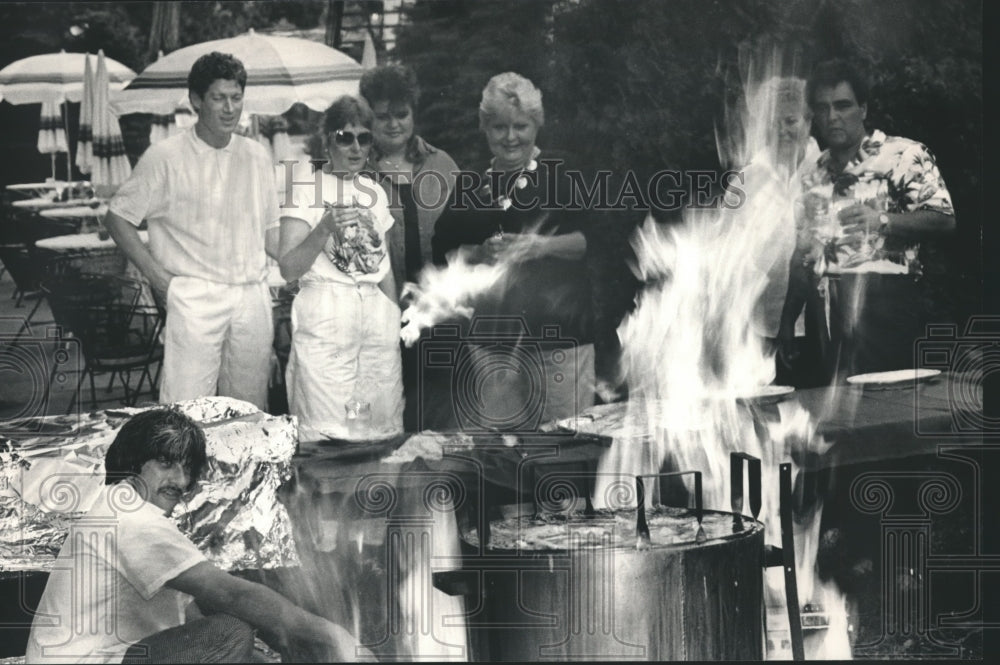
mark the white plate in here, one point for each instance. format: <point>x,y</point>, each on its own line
<point>767,394</point>
<point>894,379</point>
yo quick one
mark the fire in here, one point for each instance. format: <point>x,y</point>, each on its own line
<point>695,359</point>
<point>447,292</point>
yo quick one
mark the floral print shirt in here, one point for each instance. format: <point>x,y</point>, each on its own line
<point>889,174</point>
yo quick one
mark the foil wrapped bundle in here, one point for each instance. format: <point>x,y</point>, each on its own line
<point>233,515</point>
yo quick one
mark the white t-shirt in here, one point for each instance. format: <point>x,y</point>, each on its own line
<point>360,254</point>
<point>106,590</point>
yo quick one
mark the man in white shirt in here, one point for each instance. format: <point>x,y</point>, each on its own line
<point>122,586</point>
<point>209,198</point>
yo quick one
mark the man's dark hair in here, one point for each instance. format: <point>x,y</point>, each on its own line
<point>159,434</point>
<point>214,66</point>
<point>830,73</point>
<point>396,84</point>
<point>346,110</point>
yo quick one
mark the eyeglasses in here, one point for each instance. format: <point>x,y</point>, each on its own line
<point>347,139</point>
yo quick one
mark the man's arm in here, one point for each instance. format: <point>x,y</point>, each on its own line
<point>919,224</point>
<point>126,236</point>
<point>216,591</point>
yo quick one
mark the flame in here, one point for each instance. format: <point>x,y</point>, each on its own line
<point>694,356</point>
<point>447,292</point>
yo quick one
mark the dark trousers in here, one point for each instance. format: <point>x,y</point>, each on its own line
<point>876,320</point>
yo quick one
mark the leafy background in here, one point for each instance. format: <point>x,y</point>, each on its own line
<point>629,85</point>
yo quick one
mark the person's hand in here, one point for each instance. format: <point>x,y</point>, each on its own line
<point>520,247</point>
<point>160,283</point>
<point>815,207</point>
<point>346,647</point>
<point>338,218</point>
<point>857,222</point>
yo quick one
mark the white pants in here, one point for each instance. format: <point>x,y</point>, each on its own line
<point>217,341</point>
<point>345,346</point>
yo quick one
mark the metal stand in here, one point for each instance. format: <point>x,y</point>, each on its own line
<point>774,556</point>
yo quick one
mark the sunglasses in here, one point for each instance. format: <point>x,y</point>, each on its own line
<point>347,139</point>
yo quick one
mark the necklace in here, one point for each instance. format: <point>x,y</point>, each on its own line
<point>396,164</point>
<point>397,171</point>
<point>519,181</point>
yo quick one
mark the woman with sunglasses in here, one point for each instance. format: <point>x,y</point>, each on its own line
<point>343,377</point>
<point>526,215</point>
<point>419,179</point>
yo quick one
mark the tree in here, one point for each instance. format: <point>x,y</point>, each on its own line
<point>455,46</point>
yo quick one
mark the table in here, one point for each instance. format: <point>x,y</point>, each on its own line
<point>91,253</point>
<point>86,212</point>
<point>82,243</point>
<point>40,188</point>
<point>876,425</point>
<point>44,203</point>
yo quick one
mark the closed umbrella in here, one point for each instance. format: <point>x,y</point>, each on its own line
<point>110,166</point>
<point>85,139</point>
<point>281,71</point>
<point>54,78</point>
<point>51,133</point>
<point>368,57</point>
<point>160,127</point>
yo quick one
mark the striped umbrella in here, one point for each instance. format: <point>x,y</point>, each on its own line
<point>51,133</point>
<point>54,77</point>
<point>85,140</point>
<point>110,166</point>
<point>281,71</point>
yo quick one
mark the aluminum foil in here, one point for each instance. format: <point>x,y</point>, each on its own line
<point>233,515</point>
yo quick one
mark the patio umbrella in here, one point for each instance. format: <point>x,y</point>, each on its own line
<point>110,166</point>
<point>51,133</point>
<point>281,71</point>
<point>54,77</point>
<point>161,125</point>
<point>85,139</point>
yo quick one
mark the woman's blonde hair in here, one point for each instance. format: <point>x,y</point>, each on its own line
<point>510,90</point>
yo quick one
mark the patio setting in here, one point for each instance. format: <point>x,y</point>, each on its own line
<point>692,359</point>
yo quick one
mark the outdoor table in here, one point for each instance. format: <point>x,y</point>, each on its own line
<point>94,253</point>
<point>44,203</point>
<point>867,425</point>
<point>41,188</point>
<point>83,243</point>
<point>75,212</point>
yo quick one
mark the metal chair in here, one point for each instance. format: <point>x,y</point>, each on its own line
<point>116,335</point>
<point>23,260</point>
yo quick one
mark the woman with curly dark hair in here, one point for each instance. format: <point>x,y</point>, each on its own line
<point>418,178</point>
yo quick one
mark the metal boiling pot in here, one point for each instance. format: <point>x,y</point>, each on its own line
<point>629,584</point>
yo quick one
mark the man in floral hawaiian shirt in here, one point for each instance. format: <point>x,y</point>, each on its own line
<point>868,202</point>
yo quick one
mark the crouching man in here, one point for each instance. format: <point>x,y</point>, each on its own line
<point>122,586</point>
